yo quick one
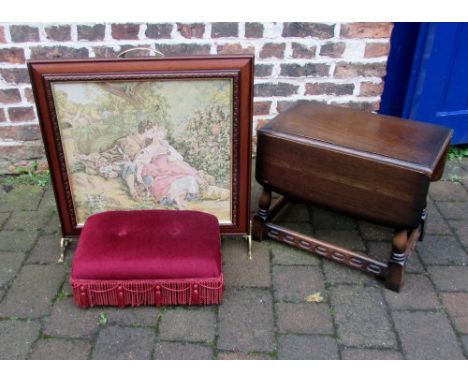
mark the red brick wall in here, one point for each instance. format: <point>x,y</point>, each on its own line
<point>335,63</point>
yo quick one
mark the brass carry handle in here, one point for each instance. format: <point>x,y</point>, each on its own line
<point>121,54</point>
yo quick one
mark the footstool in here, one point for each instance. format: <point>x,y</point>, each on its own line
<point>371,167</point>
<point>148,258</point>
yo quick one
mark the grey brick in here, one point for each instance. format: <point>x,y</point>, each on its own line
<point>295,347</point>
<point>461,230</point>
<point>435,223</point>
<point>454,210</point>
<point>336,273</point>
<point>416,293</point>
<point>17,241</point>
<point>361,317</point>
<point>27,220</point>
<point>239,270</point>
<point>17,338</point>
<point>21,198</point>
<point>324,219</point>
<point>4,217</point>
<point>61,349</point>
<point>301,227</point>
<point>10,263</point>
<point>242,356</point>
<point>295,283</point>
<point>47,205</point>
<point>187,324</point>
<point>246,321</point>
<point>464,340</point>
<point>370,354</point>
<point>294,212</point>
<point>284,254</point>
<point>182,351</point>
<point>46,250</point>
<point>450,279</point>
<point>457,308</point>
<point>116,342</point>
<point>68,320</point>
<point>441,250</point>
<point>447,191</point>
<point>348,239</point>
<point>32,291</point>
<point>426,335</point>
<point>371,231</point>
<point>53,225</point>
<point>312,318</point>
<point>138,316</point>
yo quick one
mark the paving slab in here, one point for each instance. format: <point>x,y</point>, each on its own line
<point>447,191</point>
<point>287,255</point>
<point>239,270</point>
<point>457,308</point>
<point>61,349</point>
<point>454,210</point>
<point>336,273</point>
<point>53,225</point>
<point>33,291</point>
<point>17,338</point>
<point>426,335</point>
<point>371,231</point>
<point>17,241</point>
<point>304,318</point>
<point>27,220</point>
<point>435,223</point>
<point>132,316</point>
<point>237,356</point>
<point>441,250</point>
<point>361,317</point>
<point>4,218</point>
<point>10,264</point>
<point>188,324</point>
<point>348,239</point>
<point>182,351</point>
<point>20,198</point>
<point>246,321</point>
<point>46,250</point>
<point>123,343</point>
<point>324,219</point>
<point>68,320</point>
<point>370,354</point>
<point>307,347</point>
<point>461,230</point>
<point>417,293</point>
<point>294,212</point>
<point>449,279</point>
<point>294,283</point>
<point>464,340</point>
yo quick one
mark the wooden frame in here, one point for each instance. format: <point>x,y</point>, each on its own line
<point>47,75</point>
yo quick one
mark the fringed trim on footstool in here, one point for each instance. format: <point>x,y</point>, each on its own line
<point>89,293</point>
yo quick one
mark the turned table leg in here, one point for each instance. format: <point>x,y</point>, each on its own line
<point>396,265</point>
<point>258,225</point>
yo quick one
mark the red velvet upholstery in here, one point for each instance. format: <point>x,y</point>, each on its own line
<point>122,245</point>
<point>148,257</point>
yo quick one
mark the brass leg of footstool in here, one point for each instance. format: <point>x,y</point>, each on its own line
<point>258,226</point>
<point>396,265</point>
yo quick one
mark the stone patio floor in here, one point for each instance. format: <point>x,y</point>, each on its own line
<point>263,314</point>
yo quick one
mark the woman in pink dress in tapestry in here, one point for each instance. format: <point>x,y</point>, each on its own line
<point>164,173</point>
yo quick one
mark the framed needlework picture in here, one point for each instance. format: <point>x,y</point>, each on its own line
<point>147,133</point>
